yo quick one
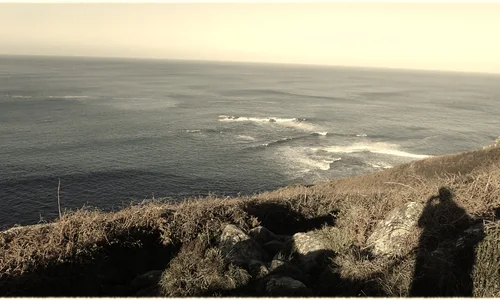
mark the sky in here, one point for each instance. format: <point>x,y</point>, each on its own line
<point>433,36</point>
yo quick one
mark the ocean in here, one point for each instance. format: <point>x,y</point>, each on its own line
<point>121,130</point>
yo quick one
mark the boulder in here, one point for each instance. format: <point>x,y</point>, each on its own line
<point>257,269</point>
<point>281,268</point>
<point>310,251</point>
<point>263,235</point>
<point>275,263</point>
<point>391,232</point>
<point>286,286</point>
<point>306,243</point>
<point>273,247</point>
<point>238,248</point>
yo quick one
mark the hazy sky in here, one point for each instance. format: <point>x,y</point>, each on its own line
<point>440,36</point>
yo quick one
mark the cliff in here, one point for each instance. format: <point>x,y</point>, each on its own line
<point>427,228</point>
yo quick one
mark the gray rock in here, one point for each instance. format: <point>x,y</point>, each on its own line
<point>257,269</point>
<point>273,247</point>
<point>307,243</point>
<point>286,286</point>
<point>147,279</point>
<point>262,235</point>
<point>310,250</point>
<point>287,269</point>
<point>238,248</point>
<point>391,232</point>
<point>276,263</point>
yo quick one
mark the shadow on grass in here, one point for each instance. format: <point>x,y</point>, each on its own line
<point>281,218</point>
<point>444,262</point>
<point>98,275</point>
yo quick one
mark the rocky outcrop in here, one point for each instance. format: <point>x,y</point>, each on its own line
<point>263,235</point>
<point>307,243</point>
<point>273,247</point>
<point>389,233</point>
<point>257,269</point>
<point>310,250</point>
<point>238,248</point>
<point>295,259</point>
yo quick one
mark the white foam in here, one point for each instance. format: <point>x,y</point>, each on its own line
<point>380,148</point>
<point>380,164</point>
<point>297,123</point>
<point>193,130</point>
<point>362,135</point>
<point>70,97</point>
<point>303,159</point>
<point>224,118</point>
<point>245,137</point>
<point>322,133</point>
<point>19,96</point>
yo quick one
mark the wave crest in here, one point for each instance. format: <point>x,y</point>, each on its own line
<point>379,147</point>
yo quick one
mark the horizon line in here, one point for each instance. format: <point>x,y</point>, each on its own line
<point>260,62</point>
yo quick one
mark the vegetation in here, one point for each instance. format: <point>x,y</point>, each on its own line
<point>91,253</point>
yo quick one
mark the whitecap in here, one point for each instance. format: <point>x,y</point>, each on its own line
<point>193,130</point>
<point>380,165</point>
<point>323,133</point>
<point>245,137</point>
<point>20,96</point>
<point>69,97</point>
<point>303,158</point>
<point>298,123</point>
<point>379,147</point>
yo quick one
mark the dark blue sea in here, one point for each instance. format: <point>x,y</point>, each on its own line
<point>120,130</point>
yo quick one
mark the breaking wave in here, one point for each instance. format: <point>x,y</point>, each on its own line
<point>69,97</point>
<point>20,96</point>
<point>245,137</point>
<point>379,147</point>
<point>298,123</point>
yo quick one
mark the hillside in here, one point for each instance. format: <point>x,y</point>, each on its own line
<point>427,228</point>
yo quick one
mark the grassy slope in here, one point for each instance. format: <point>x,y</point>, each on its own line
<point>63,258</point>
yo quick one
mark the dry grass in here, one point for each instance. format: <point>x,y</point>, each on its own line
<point>199,269</point>
<point>354,205</point>
<point>486,274</point>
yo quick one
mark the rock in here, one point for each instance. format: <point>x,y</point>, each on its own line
<point>390,233</point>
<point>287,269</point>
<point>238,248</point>
<point>257,269</point>
<point>275,263</point>
<point>310,250</point>
<point>273,247</point>
<point>286,286</point>
<point>307,243</point>
<point>263,235</point>
<point>150,278</point>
